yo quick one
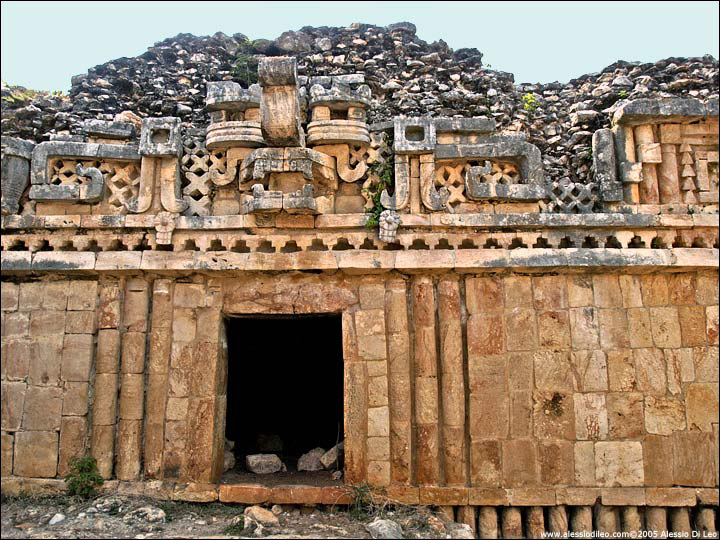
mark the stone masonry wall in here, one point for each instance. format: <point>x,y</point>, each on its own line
<point>48,341</point>
<point>463,381</point>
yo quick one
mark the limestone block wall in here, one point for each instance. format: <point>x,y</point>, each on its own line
<point>48,342</point>
<point>464,383</point>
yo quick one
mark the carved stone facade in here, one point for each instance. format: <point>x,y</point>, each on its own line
<point>508,340</point>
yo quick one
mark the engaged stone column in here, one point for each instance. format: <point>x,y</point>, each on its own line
<point>656,519</point>
<point>631,520</point>
<point>132,387</point>
<point>396,322</point>
<point>487,522</point>
<point>426,383</point>
<point>511,522</point>
<point>680,521</point>
<point>607,519</point>
<point>645,140</point>
<point>106,378</point>
<point>372,344</point>
<point>558,521</point>
<point>356,404</point>
<point>452,382</point>
<point>535,523</point>
<point>581,519</point>
<point>157,380</point>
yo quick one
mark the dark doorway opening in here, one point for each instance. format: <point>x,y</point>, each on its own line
<point>285,389</point>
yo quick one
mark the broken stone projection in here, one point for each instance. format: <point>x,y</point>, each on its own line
<point>293,292</point>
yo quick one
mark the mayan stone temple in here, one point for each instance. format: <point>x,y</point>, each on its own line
<point>372,262</point>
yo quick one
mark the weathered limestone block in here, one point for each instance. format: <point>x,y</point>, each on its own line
<point>16,156</point>
<point>603,149</point>
<point>6,461</point>
<point>619,463</point>
<point>160,137</point>
<point>658,455</point>
<point>129,449</point>
<point>77,357</point>
<point>104,129</point>
<point>664,415</point>
<point>73,431</point>
<point>693,458</point>
<point>13,402</point>
<point>102,444</point>
<point>701,402</point>
<point>279,105</point>
<point>36,454</point>
<point>43,408</point>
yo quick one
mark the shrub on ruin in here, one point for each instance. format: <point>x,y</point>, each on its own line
<point>84,477</point>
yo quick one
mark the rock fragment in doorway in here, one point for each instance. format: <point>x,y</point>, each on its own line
<point>331,458</point>
<point>264,463</point>
<point>311,460</point>
<point>228,460</point>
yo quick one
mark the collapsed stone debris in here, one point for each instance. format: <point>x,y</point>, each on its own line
<point>527,342</point>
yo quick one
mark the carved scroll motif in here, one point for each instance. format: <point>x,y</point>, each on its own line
<point>400,198</point>
<point>433,199</point>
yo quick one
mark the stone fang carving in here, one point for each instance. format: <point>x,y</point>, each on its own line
<point>263,201</point>
<point>401,196</point>
<point>96,187</point>
<point>433,199</point>
<point>16,156</point>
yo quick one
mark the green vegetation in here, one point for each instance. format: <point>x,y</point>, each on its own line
<point>385,171</point>
<point>246,65</point>
<point>236,529</point>
<point>530,104</point>
<point>83,477</point>
<point>21,95</point>
<point>623,94</point>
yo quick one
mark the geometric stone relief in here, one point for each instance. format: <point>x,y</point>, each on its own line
<point>59,172</point>
<point>569,197</point>
<point>197,164</point>
<point>667,151</point>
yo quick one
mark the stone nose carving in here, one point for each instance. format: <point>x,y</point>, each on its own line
<point>279,106</point>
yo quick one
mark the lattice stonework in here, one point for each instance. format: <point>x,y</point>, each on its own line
<point>197,187</point>
<point>122,178</point>
<point>63,173</point>
<point>451,175</point>
<point>572,197</point>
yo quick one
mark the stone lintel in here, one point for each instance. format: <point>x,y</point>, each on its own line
<point>642,111</point>
<point>352,261</point>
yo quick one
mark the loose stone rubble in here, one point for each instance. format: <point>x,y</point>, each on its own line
<point>529,308</point>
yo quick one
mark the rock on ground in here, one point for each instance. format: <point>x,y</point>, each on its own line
<point>311,460</point>
<point>384,528</point>
<point>263,463</point>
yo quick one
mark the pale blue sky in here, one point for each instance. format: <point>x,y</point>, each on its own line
<point>45,43</point>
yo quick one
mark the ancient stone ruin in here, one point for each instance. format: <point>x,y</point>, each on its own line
<point>290,299</point>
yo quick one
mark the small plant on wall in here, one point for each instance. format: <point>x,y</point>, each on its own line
<point>384,171</point>
<point>84,477</point>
